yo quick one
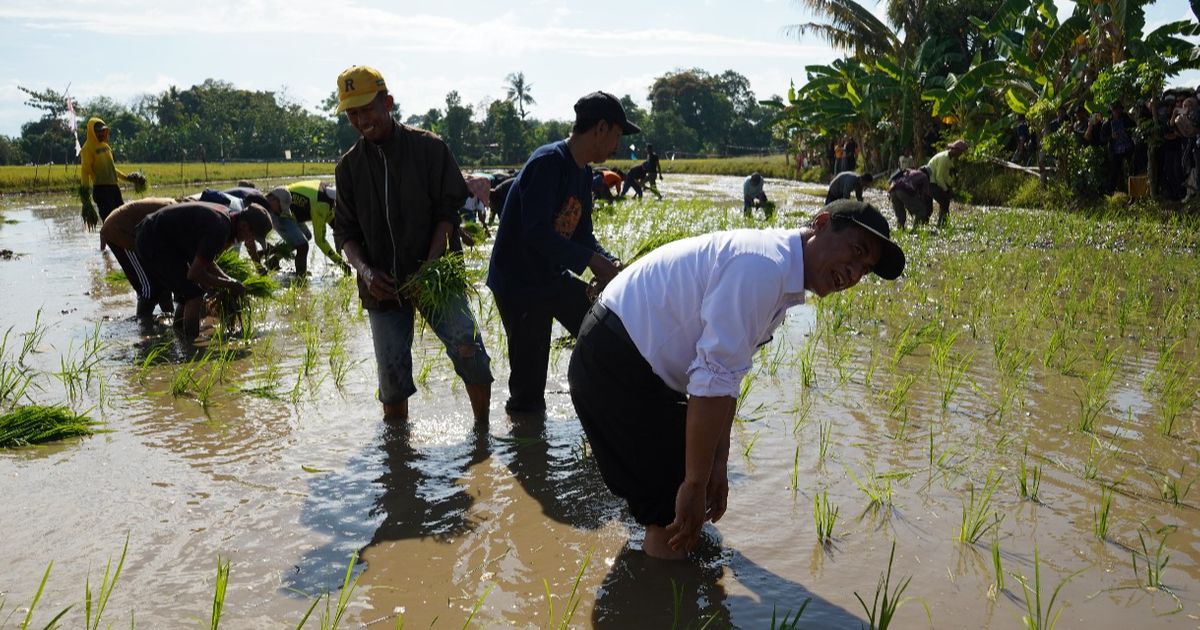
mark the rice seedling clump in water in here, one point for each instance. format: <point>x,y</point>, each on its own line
<point>37,424</point>
<point>438,282</point>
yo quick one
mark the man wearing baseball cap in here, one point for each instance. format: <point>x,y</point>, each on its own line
<point>943,177</point>
<point>545,241</point>
<point>398,194</point>
<point>661,356</point>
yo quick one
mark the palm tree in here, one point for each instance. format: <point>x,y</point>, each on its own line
<point>851,26</point>
<point>518,92</point>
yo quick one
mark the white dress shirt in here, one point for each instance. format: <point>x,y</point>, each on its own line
<point>698,309</point>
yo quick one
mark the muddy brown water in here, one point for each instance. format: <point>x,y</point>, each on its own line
<point>454,522</point>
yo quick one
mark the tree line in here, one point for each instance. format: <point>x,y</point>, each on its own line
<point>692,112</point>
<point>937,70</point>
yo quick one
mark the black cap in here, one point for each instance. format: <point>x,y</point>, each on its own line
<point>866,216</point>
<point>605,106</point>
<point>258,218</point>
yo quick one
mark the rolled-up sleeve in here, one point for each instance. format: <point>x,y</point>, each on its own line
<point>737,309</point>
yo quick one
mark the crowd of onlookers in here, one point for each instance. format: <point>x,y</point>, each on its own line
<point>1160,133</point>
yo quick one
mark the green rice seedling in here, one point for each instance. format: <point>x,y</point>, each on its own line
<point>1100,514</point>
<point>31,339</point>
<point>339,365</point>
<point>1094,398</point>
<point>426,367</point>
<point>14,378</point>
<point>653,242</point>
<point>438,283</point>
<point>741,413</point>
<point>939,350</point>
<point>808,361</point>
<point>116,277</point>
<point>795,479</point>
<point>573,598</point>
<point>788,622</point>
<point>877,488</point>
<point>234,266</point>
<point>477,606</point>
<point>1028,480</point>
<point>1174,397</point>
<point>218,602</point>
<point>1155,562</point>
<point>897,396</point>
<point>825,432</point>
<point>38,424</point>
<point>311,332</point>
<point>750,445</point>
<point>1036,617</point>
<point>824,516</point>
<point>332,618</point>
<point>952,377</point>
<point>1171,488</point>
<point>976,512</point>
<point>887,601</point>
<point>107,584</point>
<point>37,596</point>
<point>474,231</point>
<point>1098,456</point>
<point>996,564</point>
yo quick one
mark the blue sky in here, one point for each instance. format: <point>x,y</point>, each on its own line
<point>124,48</point>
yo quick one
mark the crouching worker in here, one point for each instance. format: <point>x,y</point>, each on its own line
<point>179,244</point>
<point>753,194</point>
<point>910,193</point>
<point>118,234</point>
<point>661,356</point>
<point>398,195</point>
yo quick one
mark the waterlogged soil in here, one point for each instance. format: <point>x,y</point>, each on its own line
<point>277,461</point>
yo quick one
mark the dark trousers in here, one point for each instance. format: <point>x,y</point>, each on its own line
<point>635,424</point>
<point>107,198</point>
<point>528,323</point>
<point>635,185</point>
<point>942,197</point>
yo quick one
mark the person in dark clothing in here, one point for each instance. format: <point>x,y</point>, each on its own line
<point>846,184</point>
<point>498,195</point>
<point>639,177</point>
<point>399,191</point>
<point>545,239</point>
<point>179,244</point>
<point>849,155</point>
<point>1117,132</point>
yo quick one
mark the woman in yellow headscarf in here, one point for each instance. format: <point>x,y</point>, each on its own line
<point>98,175</point>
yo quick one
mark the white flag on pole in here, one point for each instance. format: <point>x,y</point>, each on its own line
<point>72,121</point>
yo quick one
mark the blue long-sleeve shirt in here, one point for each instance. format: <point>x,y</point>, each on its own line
<point>546,227</point>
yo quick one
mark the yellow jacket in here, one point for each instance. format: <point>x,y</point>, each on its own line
<point>96,166</point>
<point>304,194</point>
<point>942,172</point>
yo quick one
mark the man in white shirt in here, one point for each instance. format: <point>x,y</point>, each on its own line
<point>660,357</point>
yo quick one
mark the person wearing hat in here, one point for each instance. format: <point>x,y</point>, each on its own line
<point>661,356</point>
<point>178,245</point>
<point>847,183</point>
<point>278,202</point>
<point>313,200</point>
<point>943,177</point>
<point>545,241</point>
<point>98,176</point>
<point>399,190</point>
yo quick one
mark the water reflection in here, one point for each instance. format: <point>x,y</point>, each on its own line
<point>392,491</point>
<point>550,461</point>
<point>643,592</point>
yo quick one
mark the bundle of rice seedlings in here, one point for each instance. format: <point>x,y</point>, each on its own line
<point>91,217</point>
<point>474,231</point>
<point>235,266</point>
<point>653,242</point>
<point>37,424</point>
<point>438,282</point>
<point>260,286</point>
<point>138,179</point>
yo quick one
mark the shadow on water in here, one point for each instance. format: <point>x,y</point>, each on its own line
<point>391,491</point>
<point>644,592</point>
<point>550,462</point>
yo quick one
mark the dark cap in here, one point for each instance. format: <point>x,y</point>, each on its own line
<point>866,216</point>
<point>606,107</point>
<point>257,218</point>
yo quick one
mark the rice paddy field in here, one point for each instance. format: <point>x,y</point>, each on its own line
<point>1006,437</point>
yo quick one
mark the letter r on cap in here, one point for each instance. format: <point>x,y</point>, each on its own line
<point>349,85</point>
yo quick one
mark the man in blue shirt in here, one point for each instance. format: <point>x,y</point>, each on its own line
<point>545,240</point>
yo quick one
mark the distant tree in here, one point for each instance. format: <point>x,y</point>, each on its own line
<point>518,92</point>
<point>503,133</point>
<point>48,138</point>
<point>669,131</point>
<point>455,128</point>
<point>701,103</point>
<point>633,111</point>
<point>10,151</point>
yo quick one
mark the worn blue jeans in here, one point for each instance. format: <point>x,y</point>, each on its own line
<point>392,335</point>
